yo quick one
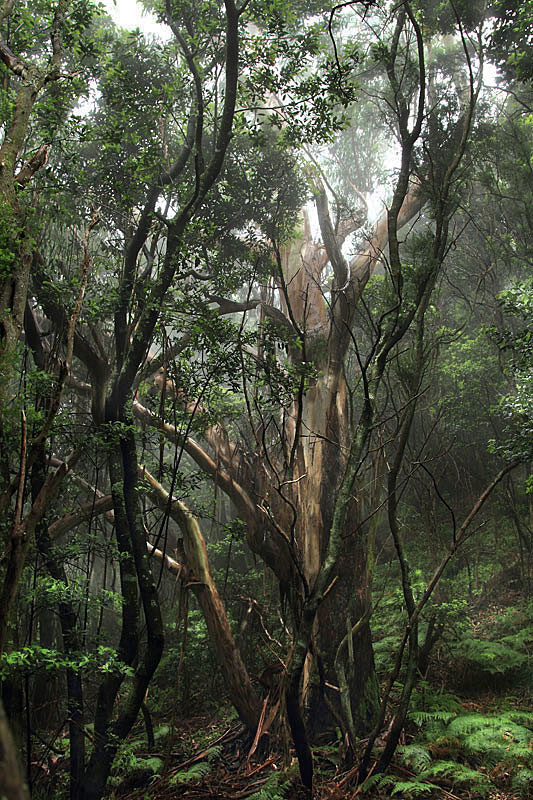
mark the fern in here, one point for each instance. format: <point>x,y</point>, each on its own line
<point>427,699</point>
<point>495,737</point>
<point>410,788</point>
<point>524,718</point>
<point>213,753</point>
<point>200,769</point>
<point>161,732</point>
<point>274,789</point>
<point>517,640</point>
<point>423,717</point>
<point>452,736</point>
<point>494,658</point>
<point>415,756</point>
<point>155,764</point>
<point>195,772</point>
<point>458,773</point>
<point>523,782</point>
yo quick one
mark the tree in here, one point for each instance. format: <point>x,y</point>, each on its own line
<point>210,298</point>
<point>175,157</point>
<point>283,484</point>
<point>34,83</point>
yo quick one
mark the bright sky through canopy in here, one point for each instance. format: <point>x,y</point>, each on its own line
<point>130,14</point>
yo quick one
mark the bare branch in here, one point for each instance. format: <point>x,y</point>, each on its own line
<point>224,480</point>
<point>32,166</point>
<point>333,249</point>
<point>12,62</point>
<point>93,508</point>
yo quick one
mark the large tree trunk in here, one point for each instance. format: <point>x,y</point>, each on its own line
<point>320,438</point>
<point>322,460</point>
<point>286,493</point>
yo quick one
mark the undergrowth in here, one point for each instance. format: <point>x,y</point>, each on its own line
<point>458,749</point>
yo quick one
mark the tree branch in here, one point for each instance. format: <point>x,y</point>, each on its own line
<point>223,479</point>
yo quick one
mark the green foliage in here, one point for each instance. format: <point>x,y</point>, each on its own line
<point>467,362</point>
<point>127,763</point>
<point>394,785</point>
<point>511,38</point>
<point>458,774</point>
<point>496,738</point>
<point>292,63</point>
<point>441,16</point>
<point>48,592</point>
<point>275,788</point>
<point>193,773</point>
<point>198,660</point>
<point>516,343</point>
<point>429,706</point>
<point>522,782</point>
<point>503,652</point>
<point>415,756</point>
<point>462,746</point>
<point>31,659</point>
<point>10,231</point>
<point>493,658</point>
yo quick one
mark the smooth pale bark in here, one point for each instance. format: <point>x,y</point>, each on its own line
<point>321,438</point>
<point>195,560</point>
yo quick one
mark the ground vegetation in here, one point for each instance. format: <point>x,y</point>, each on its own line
<point>265,401</point>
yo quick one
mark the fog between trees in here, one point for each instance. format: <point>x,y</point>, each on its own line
<point>265,399</point>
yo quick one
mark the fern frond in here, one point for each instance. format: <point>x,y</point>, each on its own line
<point>500,727</point>
<point>423,717</point>
<point>213,753</point>
<point>495,737</point>
<point>412,788</point>
<point>523,782</point>
<point>495,658</point>
<point>415,756</point>
<point>409,788</point>
<point>523,718</point>
<point>427,699</point>
<point>465,724</point>
<point>274,789</point>
<point>458,773</point>
<point>161,732</point>
<point>154,763</point>
<point>376,780</point>
<point>195,772</point>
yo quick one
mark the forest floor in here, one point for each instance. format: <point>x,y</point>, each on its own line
<point>218,768</point>
<point>488,754</point>
<point>469,735</point>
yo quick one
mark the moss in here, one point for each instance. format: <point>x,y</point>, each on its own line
<point>366,712</point>
<point>9,240</point>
